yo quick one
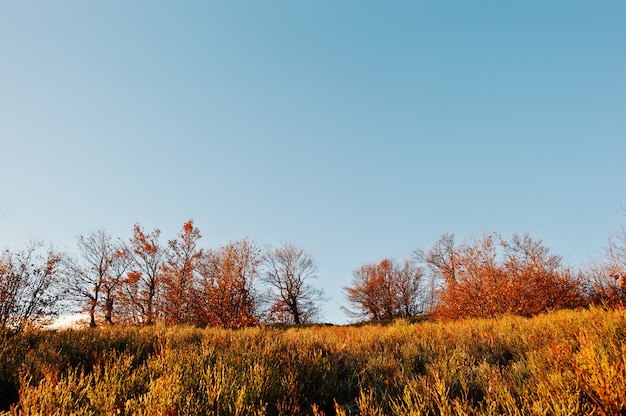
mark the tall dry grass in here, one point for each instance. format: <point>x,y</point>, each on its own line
<point>562,363</point>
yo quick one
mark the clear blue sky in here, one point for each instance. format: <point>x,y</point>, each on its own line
<point>357,130</point>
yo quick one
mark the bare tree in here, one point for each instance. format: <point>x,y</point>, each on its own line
<point>441,261</point>
<point>288,273</point>
<point>115,279</point>
<point>89,272</point>
<point>441,258</point>
<point>409,288</point>
<point>606,276</point>
<point>29,291</point>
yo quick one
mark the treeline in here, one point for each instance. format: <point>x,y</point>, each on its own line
<point>143,281</point>
<point>486,277</point>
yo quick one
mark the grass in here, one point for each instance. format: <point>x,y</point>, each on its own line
<point>562,363</point>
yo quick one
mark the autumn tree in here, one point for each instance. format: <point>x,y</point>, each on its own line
<point>95,273</point>
<point>29,291</point>
<point>478,284</point>
<point>288,275</point>
<point>178,275</point>
<point>226,294</point>
<point>539,281</point>
<point>143,282</point>
<point>386,290</point>
<point>491,276</point>
<point>371,291</point>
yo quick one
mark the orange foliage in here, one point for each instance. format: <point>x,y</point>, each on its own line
<point>492,277</point>
<point>144,279</point>
<point>386,290</point>
<point>188,227</point>
<point>177,273</point>
<point>133,276</point>
<point>620,278</point>
<point>225,293</point>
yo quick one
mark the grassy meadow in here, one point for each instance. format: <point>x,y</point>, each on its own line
<point>562,363</point>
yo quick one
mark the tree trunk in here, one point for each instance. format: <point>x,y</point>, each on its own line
<point>92,315</point>
<point>295,312</point>
<point>149,301</point>
<point>108,313</point>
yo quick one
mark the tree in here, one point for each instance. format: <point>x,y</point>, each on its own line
<point>143,283</point>
<point>477,286</point>
<point>226,295</point>
<point>115,278</point>
<point>441,261</point>
<point>490,276</point>
<point>288,273</point>
<point>92,273</point>
<point>371,291</point>
<point>539,282</point>
<point>441,258</point>
<point>29,291</point>
<point>178,275</point>
<point>409,289</point>
<point>606,276</point>
<point>386,290</point>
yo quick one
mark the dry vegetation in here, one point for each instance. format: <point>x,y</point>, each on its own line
<point>512,331</point>
<point>565,362</point>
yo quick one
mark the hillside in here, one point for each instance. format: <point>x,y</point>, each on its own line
<point>566,362</point>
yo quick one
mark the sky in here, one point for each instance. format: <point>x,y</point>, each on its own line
<point>357,130</point>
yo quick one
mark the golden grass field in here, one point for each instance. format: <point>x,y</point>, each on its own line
<point>561,363</point>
